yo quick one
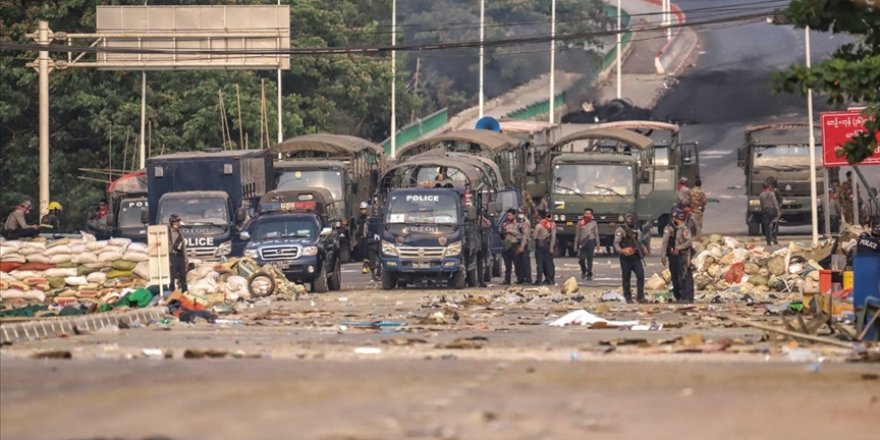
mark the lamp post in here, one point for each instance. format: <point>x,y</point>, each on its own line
<point>814,211</point>
<point>482,53</point>
<point>393,79</point>
<point>552,57</point>
<point>619,75</point>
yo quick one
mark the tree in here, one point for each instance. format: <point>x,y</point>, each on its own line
<point>852,74</point>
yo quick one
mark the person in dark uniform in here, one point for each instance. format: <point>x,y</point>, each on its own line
<point>177,253</point>
<point>513,240</point>
<point>770,213</point>
<point>544,236</point>
<point>676,248</point>
<point>16,224</point>
<point>360,232</point>
<point>628,244</point>
<point>523,260</point>
<point>52,220</point>
<point>585,239</point>
<point>869,242</point>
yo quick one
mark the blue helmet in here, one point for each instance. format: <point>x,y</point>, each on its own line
<point>678,214</point>
<point>631,218</point>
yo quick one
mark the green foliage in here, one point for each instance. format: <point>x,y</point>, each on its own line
<point>852,74</point>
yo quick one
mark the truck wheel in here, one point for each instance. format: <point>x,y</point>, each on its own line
<point>389,280</point>
<point>344,252</point>
<point>662,222</point>
<point>496,266</point>
<point>754,228</point>
<point>471,274</point>
<point>458,279</point>
<point>335,280</point>
<point>260,284</point>
<point>320,283</point>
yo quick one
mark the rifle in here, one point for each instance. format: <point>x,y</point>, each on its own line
<point>632,236</point>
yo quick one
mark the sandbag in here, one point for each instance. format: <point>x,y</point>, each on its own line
<point>235,288</point>
<point>84,258</point>
<point>76,281</point>
<point>96,246</point>
<point>19,294</point>
<point>58,243</point>
<point>735,273</point>
<point>22,274</point>
<point>77,248</point>
<point>110,256</point>
<point>57,250</point>
<point>142,270</point>
<point>87,238</point>
<point>56,282</point>
<point>36,266</point>
<point>123,265</point>
<point>6,250</point>
<point>39,258</point>
<point>113,274</point>
<point>9,266</point>
<point>137,247</point>
<point>120,242</point>
<point>656,282</point>
<point>29,250</point>
<point>85,270</point>
<point>136,257</point>
<point>60,258</point>
<point>41,245</point>
<point>96,277</point>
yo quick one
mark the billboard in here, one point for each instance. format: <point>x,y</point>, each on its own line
<point>837,129</point>
<point>193,37</point>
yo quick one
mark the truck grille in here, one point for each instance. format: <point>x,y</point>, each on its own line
<point>202,253</point>
<point>279,253</point>
<point>421,252</point>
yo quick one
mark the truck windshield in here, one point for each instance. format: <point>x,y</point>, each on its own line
<point>784,155</point>
<point>196,210</point>
<point>275,228</point>
<point>329,179</point>
<point>587,179</point>
<point>130,213</point>
<point>422,208</point>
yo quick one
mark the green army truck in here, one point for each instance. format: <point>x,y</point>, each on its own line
<point>781,151</point>
<point>347,166</point>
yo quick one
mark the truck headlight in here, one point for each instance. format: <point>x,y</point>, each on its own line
<point>389,249</point>
<point>452,250</point>
<point>251,253</point>
<point>754,202</point>
<point>310,251</point>
<point>562,217</point>
<point>223,250</point>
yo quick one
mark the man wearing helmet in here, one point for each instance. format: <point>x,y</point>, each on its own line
<point>52,220</point>
<point>16,224</point>
<point>361,233</point>
<point>628,244</point>
<point>523,261</point>
<point>676,248</point>
<point>514,243</point>
<point>177,253</point>
<point>869,242</point>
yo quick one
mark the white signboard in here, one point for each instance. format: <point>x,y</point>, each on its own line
<point>160,266</point>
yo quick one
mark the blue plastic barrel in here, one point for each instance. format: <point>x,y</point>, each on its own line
<point>866,278</point>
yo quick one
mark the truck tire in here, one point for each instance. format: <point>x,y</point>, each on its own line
<point>264,277</point>
<point>344,252</point>
<point>319,285</point>
<point>458,279</point>
<point>334,282</point>
<point>496,266</point>
<point>754,228</point>
<point>389,280</point>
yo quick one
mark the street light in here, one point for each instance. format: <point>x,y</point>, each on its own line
<point>814,210</point>
<point>393,79</point>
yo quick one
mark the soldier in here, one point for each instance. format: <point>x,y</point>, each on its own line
<point>523,261</point>
<point>545,246</point>
<point>684,197</point>
<point>52,220</point>
<point>513,241</point>
<point>361,232</point>
<point>698,201</point>
<point>628,244</point>
<point>869,242</point>
<point>846,198</point>
<point>585,240</point>
<point>16,224</point>
<point>177,253</point>
<point>834,210</point>
<point>770,213</point>
<point>676,248</point>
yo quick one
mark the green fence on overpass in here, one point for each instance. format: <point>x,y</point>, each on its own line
<point>417,129</point>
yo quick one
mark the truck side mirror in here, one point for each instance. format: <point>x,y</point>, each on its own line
<point>326,231</point>
<point>741,157</point>
<point>145,216</point>
<point>241,215</point>
<point>244,236</point>
<point>111,220</point>
<point>645,176</point>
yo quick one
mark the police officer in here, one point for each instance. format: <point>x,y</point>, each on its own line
<point>544,236</point>
<point>834,210</point>
<point>513,241</point>
<point>361,233</point>
<point>177,253</point>
<point>770,213</point>
<point>628,244</point>
<point>524,261</point>
<point>16,224</point>
<point>869,242</point>
<point>52,220</point>
<point>676,248</point>
<point>585,239</point>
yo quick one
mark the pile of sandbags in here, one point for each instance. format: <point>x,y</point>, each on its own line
<point>723,265</point>
<point>238,278</point>
<point>65,271</point>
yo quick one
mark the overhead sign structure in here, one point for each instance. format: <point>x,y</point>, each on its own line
<point>837,129</point>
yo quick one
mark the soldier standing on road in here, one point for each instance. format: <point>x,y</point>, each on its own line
<point>846,198</point>
<point>834,210</point>
<point>628,244</point>
<point>524,261</point>
<point>770,213</point>
<point>585,240</point>
<point>676,248</point>
<point>684,197</point>
<point>545,246</point>
<point>698,201</point>
<point>361,232</point>
<point>513,242</point>
<point>177,253</point>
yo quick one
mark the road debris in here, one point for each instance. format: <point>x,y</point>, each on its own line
<point>583,317</point>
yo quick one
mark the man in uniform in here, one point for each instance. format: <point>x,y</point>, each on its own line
<point>684,197</point>
<point>770,213</point>
<point>834,210</point>
<point>698,201</point>
<point>676,248</point>
<point>361,232</point>
<point>544,236</point>
<point>16,224</point>
<point>524,261</point>
<point>846,198</point>
<point>628,244</point>
<point>869,242</point>
<point>52,220</point>
<point>177,253</point>
<point>585,239</point>
<point>514,242</point>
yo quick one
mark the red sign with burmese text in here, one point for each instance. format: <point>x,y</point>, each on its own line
<point>837,129</point>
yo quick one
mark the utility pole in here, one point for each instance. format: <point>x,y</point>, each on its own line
<point>482,53</point>
<point>393,79</point>
<point>280,130</point>
<point>619,67</point>
<point>814,211</point>
<point>143,143</point>
<point>552,57</point>
<point>43,36</point>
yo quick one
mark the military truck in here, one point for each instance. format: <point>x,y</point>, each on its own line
<point>213,192</point>
<point>781,151</point>
<point>348,166</point>
<point>436,220</point>
<point>669,149</point>
<point>612,171</point>
<point>128,199</point>
<point>294,232</point>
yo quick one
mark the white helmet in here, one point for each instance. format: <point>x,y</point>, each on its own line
<point>364,205</point>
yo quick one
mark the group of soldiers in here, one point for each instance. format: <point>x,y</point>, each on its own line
<point>520,238</point>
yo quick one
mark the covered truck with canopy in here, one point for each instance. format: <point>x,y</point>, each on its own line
<point>127,197</point>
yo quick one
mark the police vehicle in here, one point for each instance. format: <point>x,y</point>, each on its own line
<point>294,233</point>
